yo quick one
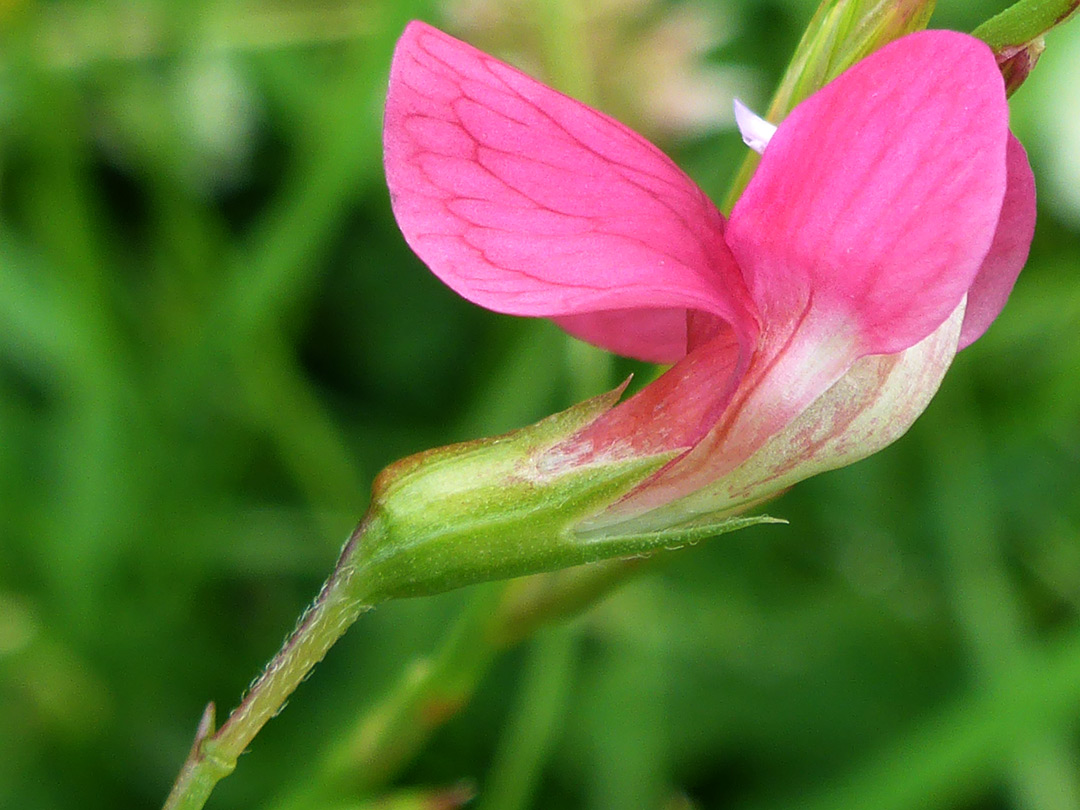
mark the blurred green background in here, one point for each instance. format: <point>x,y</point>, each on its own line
<point>212,337</point>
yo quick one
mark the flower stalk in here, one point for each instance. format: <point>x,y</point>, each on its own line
<point>435,688</point>
<point>214,753</point>
<point>450,517</point>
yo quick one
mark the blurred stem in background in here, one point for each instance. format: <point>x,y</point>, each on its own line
<point>534,721</point>
<point>1042,771</point>
<point>840,33</point>
<point>1038,693</point>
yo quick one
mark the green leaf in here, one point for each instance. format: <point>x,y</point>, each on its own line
<point>1016,35</point>
<point>1025,22</point>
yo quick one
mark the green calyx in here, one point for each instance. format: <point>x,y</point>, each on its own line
<point>495,508</point>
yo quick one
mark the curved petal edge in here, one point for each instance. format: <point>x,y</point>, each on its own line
<point>878,197</point>
<point>1008,251</point>
<point>527,202</point>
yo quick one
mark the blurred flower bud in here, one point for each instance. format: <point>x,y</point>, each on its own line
<point>1017,62</point>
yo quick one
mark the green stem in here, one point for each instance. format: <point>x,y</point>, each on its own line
<point>530,603</point>
<point>214,755</point>
<point>498,617</point>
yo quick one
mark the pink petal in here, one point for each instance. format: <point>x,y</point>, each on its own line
<point>530,203</point>
<point>670,414</point>
<point>781,383</point>
<point>656,336</point>
<point>871,406</point>
<point>653,335</point>
<point>877,198</point>
<point>1008,251</point>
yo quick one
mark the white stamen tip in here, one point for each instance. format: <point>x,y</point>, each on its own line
<point>755,130</point>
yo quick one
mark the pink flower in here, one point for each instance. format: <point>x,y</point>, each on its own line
<point>883,231</point>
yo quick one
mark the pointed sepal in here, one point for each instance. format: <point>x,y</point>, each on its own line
<point>506,507</point>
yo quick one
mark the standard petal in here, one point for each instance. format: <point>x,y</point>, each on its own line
<point>1008,251</point>
<point>530,203</point>
<point>877,198</point>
